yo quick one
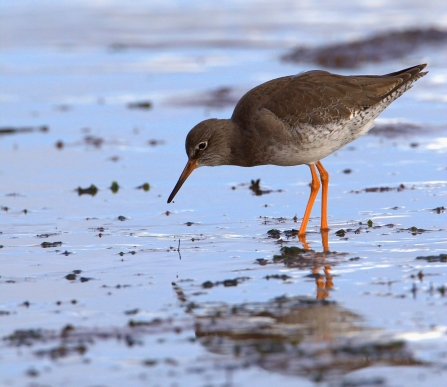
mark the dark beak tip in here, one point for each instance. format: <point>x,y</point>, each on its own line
<point>190,166</point>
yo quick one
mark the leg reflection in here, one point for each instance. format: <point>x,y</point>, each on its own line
<point>324,281</point>
<point>324,240</point>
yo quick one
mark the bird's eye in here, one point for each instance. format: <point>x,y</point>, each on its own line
<point>202,145</point>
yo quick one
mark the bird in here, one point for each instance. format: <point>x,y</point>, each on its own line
<point>294,120</point>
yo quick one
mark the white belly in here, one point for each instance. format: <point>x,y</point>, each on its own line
<point>317,143</point>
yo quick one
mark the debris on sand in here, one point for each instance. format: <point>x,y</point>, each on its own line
<point>219,98</point>
<point>401,187</point>
<point>92,190</point>
<point>378,48</point>
<point>26,129</point>
<point>140,105</point>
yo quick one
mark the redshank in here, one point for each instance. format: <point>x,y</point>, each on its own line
<point>293,120</point>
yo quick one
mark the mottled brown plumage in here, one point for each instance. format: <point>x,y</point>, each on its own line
<point>295,120</point>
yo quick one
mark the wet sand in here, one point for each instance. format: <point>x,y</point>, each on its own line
<point>103,283</point>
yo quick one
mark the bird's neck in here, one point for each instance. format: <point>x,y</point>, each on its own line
<point>241,143</point>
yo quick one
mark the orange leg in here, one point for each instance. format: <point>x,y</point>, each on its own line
<point>325,239</point>
<point>314,187</point>
<point>302,239</point>
<point>324,176</point>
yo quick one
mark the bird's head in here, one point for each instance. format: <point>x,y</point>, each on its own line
<point>207,144</point>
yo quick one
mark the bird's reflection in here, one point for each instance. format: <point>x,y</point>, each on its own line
<point>298,336</point>
<point>306,336</point>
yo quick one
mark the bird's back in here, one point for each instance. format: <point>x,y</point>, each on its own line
<point>319,97</point>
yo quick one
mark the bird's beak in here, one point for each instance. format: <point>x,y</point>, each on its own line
<point>190,166</point>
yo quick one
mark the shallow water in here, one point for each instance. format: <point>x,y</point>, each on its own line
<point>198,292</point>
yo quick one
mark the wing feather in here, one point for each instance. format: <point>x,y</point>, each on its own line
<point>319,97</point>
